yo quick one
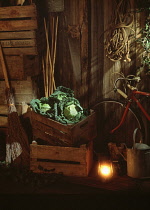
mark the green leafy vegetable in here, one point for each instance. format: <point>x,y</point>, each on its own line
<point>60,106</point>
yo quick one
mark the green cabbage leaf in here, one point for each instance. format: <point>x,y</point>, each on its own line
<point>60,106</point>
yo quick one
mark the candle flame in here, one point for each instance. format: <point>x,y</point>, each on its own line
<point>105,170</point>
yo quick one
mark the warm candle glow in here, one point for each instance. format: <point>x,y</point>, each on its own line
<point>105,170</point>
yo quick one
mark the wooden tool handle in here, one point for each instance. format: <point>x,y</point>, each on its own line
<point>4,67</point>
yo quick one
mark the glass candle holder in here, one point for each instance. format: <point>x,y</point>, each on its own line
<point>105,170</point>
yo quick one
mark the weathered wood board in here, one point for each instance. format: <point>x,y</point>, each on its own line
<point>18,12</point>
<point>3,121</point>
<point>18,30</point>
<point>70,161</point>
<point>18,25</point>
<point>56,133</point>
<point>23,91</point>
<point>15,67</point>
<point>18,43</point>
<point>17,35</point>
<point>3,109</point>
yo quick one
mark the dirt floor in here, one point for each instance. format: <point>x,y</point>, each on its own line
<point>75,193</point>
<point>26,190</point>
<point>32,191</point>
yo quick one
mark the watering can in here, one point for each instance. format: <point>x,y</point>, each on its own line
<point>138,159</point>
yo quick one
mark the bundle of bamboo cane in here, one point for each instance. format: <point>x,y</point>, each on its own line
<point>48,60</point>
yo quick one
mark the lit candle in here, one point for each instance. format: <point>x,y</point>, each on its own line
<point>105,170</point>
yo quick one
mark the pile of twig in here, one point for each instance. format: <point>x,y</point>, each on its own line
<point>118,35</point>
<point>48,60</point>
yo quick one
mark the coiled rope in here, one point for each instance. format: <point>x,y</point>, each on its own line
<point>118,35</point>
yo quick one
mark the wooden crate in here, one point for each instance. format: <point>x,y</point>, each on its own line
<point>18,26</point>
<point>21,35</point>
<point>70,161</point>
<point>56,133</point>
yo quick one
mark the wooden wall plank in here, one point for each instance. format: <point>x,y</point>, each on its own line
<point>82,64</point>
<point>96,52</point>
<point>73,52</point>
<point>83,21</point>
<point>68,61</point>
<point>74,47</point>
<point>106,71</point>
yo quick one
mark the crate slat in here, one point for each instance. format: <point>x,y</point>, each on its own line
<point>66,169</point>
<point>18,12</point>
<point>17,35</point>
<point>59,153</point>
<point>21,51</point>
<point>51,131</point>
<point>75,134</point>
<point>85,129</point>
<point>70,161</point>
<point>19,43</point>
<point>18,25</point>
<point>51,140</point>
<point>50,122</point>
